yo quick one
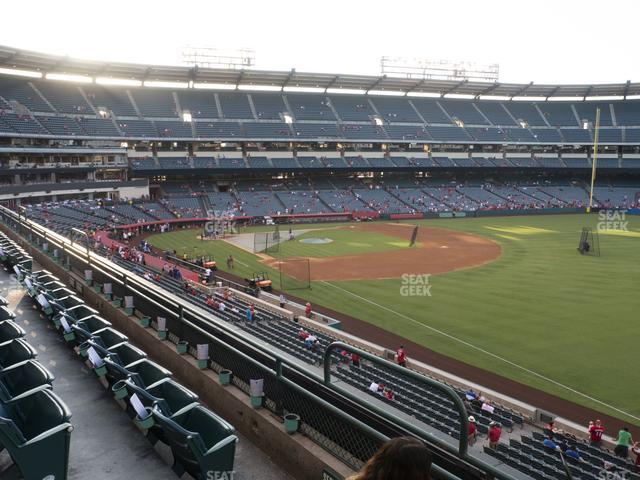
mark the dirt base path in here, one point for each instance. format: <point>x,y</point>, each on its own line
<point>438,250</point>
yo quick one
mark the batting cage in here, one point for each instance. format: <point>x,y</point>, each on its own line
<point>589,242</point>
<point>266,242</point>
<point>295,273</point>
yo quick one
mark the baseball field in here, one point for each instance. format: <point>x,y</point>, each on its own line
<point>510,295</point>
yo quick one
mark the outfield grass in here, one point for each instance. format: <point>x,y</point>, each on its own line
<point>541,307</point>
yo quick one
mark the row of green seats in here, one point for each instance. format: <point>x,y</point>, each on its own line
<point>35,426</point>
<point>201,441</point>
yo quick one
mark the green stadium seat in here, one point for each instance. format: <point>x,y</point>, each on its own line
<point>80,311</point>
<point>36,431</point>
<point>86,327</point>
<point>10,330</point>
<point>58,294</point>
<point>6,314</point>
<point>200,441</point>
<point>23,379</point>
<point>145,373</point>
<point>124,355</point>
<point>15,351</point>
<point>107,338</point>
<point>168,396</point>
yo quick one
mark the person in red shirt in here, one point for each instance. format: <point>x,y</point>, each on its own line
<point>636,449</point>
<point>388,393</point>
<point>401,356</point>
<point>355,359</point>
<point>473,430</point>
<point>595,433</point>
<point>494,434</point>
<point>307,310</point>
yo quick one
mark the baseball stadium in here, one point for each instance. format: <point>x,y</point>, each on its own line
<point>216,271</point>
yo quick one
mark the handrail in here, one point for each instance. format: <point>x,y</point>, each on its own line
<point>462,449</point>
<point>464,424</point>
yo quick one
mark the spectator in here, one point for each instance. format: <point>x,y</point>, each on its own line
<point>495,431</point>
<point>473,430</point>
<point>572,452</point>
<point>308,342</point>
<point>307,310</point>
<point>636,452</point>
<point>221,306</point>
<point>230,262</point>
<point>549,428</point>
<point>388,393</point>
<point>302,334</point>
<point>595,433</point>
<point>373,387</point>
<point>401,458</point>
<point>344,357</point>
<point>623,443</point>
<point>401,356</point>
<point>283,300</point>
<point>549,443</point>
<point>355,359</point>
<point>250,314</point>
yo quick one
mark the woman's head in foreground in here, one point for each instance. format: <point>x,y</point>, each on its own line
<point>402,458</point>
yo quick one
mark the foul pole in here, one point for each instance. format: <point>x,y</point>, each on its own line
<point>595,158</point>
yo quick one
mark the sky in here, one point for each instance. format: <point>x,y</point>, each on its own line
<point>559,41</point>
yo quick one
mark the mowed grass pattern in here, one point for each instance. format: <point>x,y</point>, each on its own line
<point>541,305</point>
<point>345,241</point>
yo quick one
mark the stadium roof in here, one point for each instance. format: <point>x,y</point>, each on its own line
<point>14,58</point>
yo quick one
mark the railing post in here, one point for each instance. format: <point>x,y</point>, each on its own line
<point>279,389</point>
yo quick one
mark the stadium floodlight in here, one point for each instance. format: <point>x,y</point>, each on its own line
<point>214,57</point>
<point>424,68</point>
<point>20,73</point>
<point>215,86</point>
<point>68,78</point>
<point>263,88</point>
<point>389,93</point>
<point>125,82</point>
<point>154,83</point>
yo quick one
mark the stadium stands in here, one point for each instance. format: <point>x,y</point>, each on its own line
<point>405,119</point>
